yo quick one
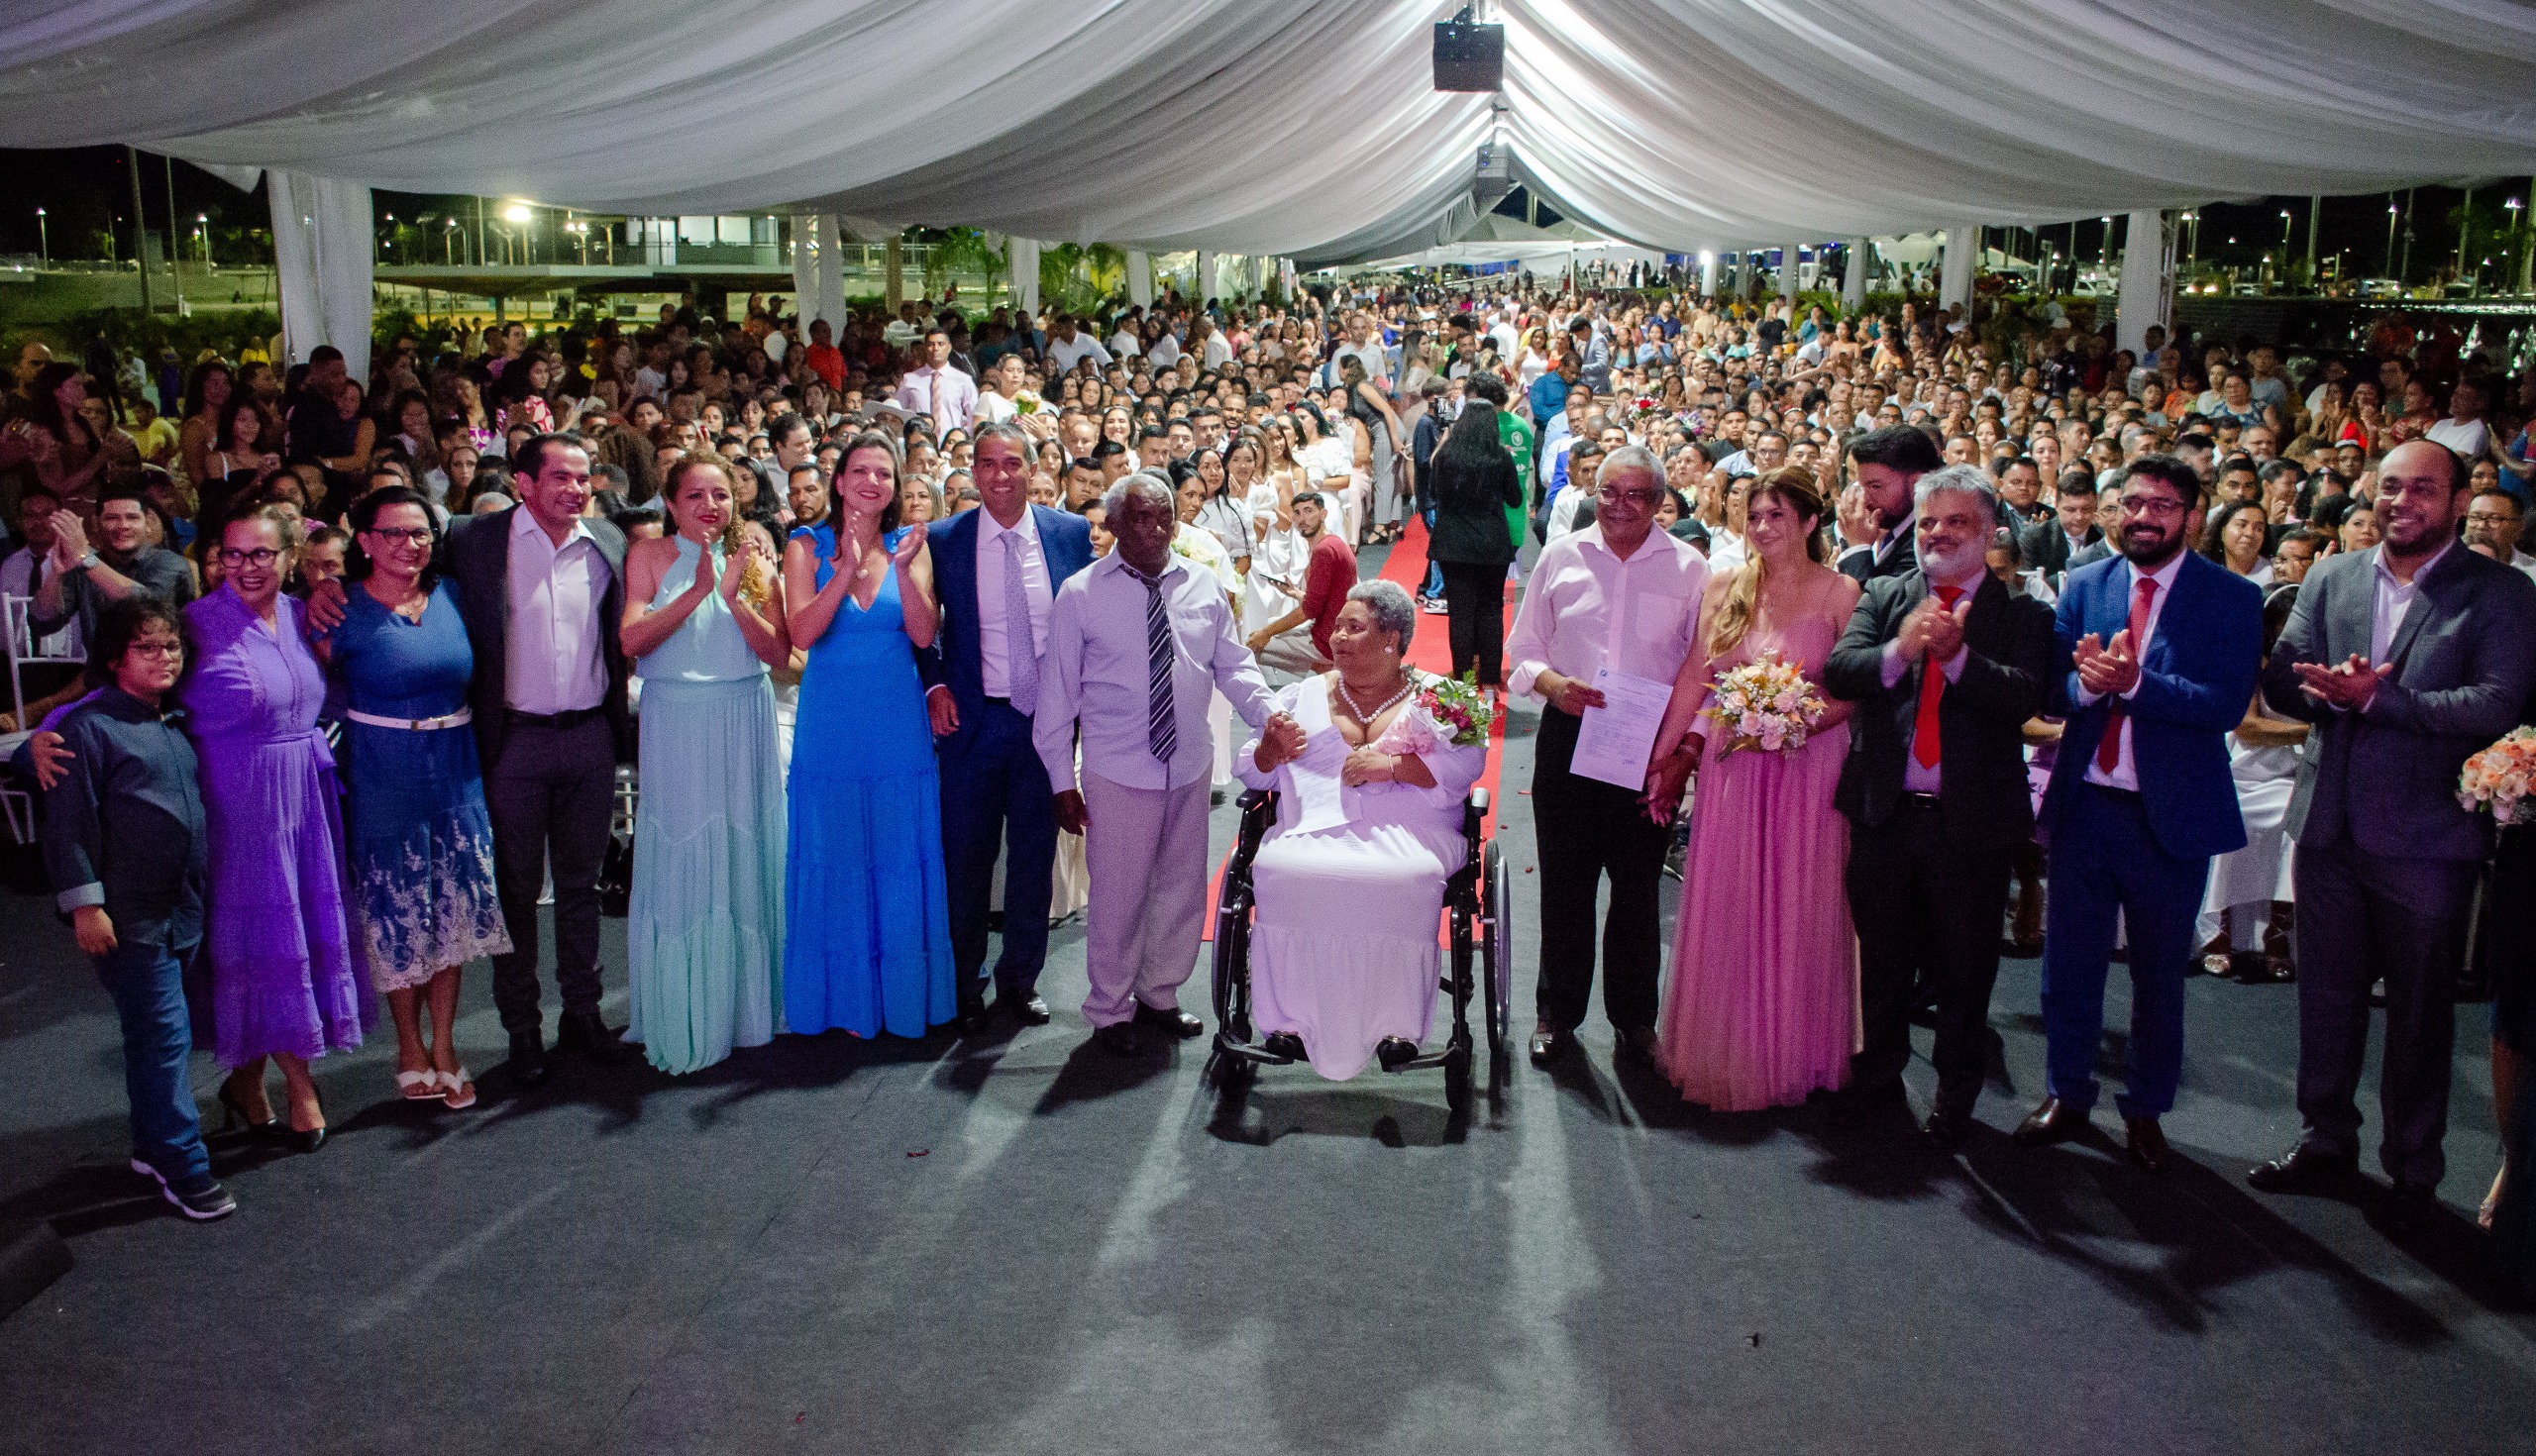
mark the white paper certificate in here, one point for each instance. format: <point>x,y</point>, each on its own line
<point>1613,741</point>
<point>1321,800</point>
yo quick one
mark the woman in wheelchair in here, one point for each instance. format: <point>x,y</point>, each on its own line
<point>1350,884</point>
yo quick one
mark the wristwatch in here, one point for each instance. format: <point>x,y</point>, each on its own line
<point>88,560</point>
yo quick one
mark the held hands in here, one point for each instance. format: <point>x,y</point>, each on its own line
<point>2350,683</point>
<point>93,930</point>
<point>1281,742</point>
<point>1568,694</point>
<point>2106,671</point>
<point>1668,776</point>
<point>1072,817</point>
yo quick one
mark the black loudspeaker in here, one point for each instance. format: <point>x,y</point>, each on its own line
<point>1468,56</point>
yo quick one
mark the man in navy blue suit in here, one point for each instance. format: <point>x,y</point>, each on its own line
<point>2155,655</point>
<point>997,570</point>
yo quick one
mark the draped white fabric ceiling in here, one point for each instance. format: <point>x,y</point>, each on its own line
<point>1300,127</point>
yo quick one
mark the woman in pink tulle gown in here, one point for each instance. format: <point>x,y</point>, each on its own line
<point>1761,1009</point>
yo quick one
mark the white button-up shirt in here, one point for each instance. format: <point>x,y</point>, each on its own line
<point>2395,601</point>
<point>1096,674</point>
<point>2125,773</point>
<point>993,642</point>
<point>1585,606</point>
<point>550,654</point>
<point>945,393</point>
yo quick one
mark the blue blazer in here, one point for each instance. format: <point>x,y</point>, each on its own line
<point>1065,540</point>
<point>2196,681</point>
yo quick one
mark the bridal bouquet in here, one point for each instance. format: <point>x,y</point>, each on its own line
<point>1767,705</point>
<point>1029,402</point>
<point>2499,777</point>
<point>1459,715</point>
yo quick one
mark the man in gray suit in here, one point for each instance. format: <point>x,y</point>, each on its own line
<point>2408,658</point>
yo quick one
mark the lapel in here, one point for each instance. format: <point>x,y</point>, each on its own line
<point>955,565</point>
<point>495,592</point>
<point>2434,587</point>
<point>2356,618</point>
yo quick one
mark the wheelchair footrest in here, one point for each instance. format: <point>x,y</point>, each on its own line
<point>1251,1052</point>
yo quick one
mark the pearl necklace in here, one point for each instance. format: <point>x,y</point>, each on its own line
<point>1383,707</point>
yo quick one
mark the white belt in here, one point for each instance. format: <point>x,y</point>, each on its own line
<point>459,720</point>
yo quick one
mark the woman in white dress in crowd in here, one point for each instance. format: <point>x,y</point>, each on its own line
<point>1279,554</point>
<point>1344,950</point>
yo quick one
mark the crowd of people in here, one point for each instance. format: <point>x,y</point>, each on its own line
<point>925,620</point>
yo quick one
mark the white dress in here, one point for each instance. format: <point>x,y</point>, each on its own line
<point>2254,877</point>
<point>1343,945</point>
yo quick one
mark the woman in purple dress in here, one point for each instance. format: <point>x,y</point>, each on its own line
<point>275,938</point>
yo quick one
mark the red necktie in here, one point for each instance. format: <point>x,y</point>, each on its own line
<point>2109,752</point>
<point>1924,729</point>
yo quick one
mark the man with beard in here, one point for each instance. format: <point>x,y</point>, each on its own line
<point>2155,659</point>
<point>1946,666</point>
<point>1890,463</point>
<point>2409,657</point>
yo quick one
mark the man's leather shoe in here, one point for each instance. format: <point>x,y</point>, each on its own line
<point>528,1064</point>
<point>1637,1046</point>
<point>1118,1038</point>
<point>1550,1044</point>
<point>585,1033</point>
<point>1170,1022</point>
<point>1027,1006</point>
<point>2148,1144</point>
<point>2300,1169</point>
<point>971,1018</point>
<point>2056,1121</point>
<point>1946,1131</point>
<point>2410,1210</point>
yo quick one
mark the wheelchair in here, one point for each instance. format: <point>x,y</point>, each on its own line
<point>1475,908</point>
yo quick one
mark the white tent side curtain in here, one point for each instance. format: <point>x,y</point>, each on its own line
<point>1306,128</point>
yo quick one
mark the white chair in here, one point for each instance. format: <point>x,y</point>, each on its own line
<point>16,625</point>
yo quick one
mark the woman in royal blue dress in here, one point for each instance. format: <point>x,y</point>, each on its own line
<point>867,942</point>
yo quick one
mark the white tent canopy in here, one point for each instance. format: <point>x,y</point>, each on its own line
<point>1305,127</point>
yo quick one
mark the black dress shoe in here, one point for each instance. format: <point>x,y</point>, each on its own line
<point>2056,1121</point>
<point>1550,1044</point>
<point>1285,1044</point>
<point>2300,1169</point>
<point>585,1034</point>
<point>1394,1052</point>
<point>1637,1046</point>
<point>2409,1209</point>
<point>1170,1022</point>
<point>1946,1131</point>
<point>2146,1144</point>
<point>971,1018</point>
<point>1118,1039</point>
<point>1027,1006</point>
<point>528,1064</point>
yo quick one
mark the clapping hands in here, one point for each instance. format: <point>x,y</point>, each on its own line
<point>1931,630</point>
<point>2349,683</point>
<point>2106,671</point>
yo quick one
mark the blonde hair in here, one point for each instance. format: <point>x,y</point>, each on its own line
<point>756,582</point>
<point>1795,488</point>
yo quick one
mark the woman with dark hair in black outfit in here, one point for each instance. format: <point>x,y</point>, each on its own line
<point>1474,482</point>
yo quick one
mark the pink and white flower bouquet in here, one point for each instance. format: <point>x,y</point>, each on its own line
<point>2500,778</point>
<point>1767,705</point>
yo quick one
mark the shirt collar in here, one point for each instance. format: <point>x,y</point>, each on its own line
<point>988,528</point>
<point>1119,563</point>
<point>524,524</point>
<point>2165,576</point>
<point>132,710</point>
<point>2387,579</point>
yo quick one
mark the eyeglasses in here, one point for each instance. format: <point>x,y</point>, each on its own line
<point>259,558</point>
<point>410,536</point>
<point>2152,505</point>
<point>158,648</point>
<point>2489,518</point>
<point>1615,497</point>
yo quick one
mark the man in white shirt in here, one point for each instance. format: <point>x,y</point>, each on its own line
<point>1069,346</point>
<point>1136,644</point>
<point>23,571</point>
<point>938,389</point>
<point>2463,431</point>
<point>2492,520</point>
<point>1126,341</point>
<point>1622,596</point>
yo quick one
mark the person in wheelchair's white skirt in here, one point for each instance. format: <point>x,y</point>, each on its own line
<point>1343,951</point>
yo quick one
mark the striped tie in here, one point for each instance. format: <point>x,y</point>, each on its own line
<point>1162,732</point>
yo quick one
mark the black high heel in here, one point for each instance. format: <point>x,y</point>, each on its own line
<point>234,1115</point>
<point>315,1137</point>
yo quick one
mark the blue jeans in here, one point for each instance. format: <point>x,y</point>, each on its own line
<point>1434,586</point>
<point>147,982</point>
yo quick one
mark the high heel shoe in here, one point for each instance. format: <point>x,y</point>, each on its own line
<point>315,1137</point>
<point>233,1116</point>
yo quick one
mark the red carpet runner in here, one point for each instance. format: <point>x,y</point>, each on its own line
<point>1430,650</point>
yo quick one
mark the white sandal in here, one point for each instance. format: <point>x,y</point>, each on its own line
<point>418,1087</point>
<point>453,1084</point>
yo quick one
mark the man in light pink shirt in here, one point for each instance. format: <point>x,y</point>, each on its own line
<point>936,389</point>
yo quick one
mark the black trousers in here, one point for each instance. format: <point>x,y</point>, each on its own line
<point>1586,830</point>
<point>552,795</point>
<point>1475,618</point>
<point>1923,904</point>
<point>2362,917</point>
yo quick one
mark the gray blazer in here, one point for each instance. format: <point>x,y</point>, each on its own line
<point>476,555</point>
<point>2465,660</point>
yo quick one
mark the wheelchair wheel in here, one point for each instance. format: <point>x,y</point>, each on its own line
<point>1457,1078</point>
<point>1496,956</point>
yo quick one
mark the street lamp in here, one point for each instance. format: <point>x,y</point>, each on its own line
<point>2390,235</point>
<point>44,243</point>
<point>202,235</point>
<point>518,213</point>
<point>449,243</point>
